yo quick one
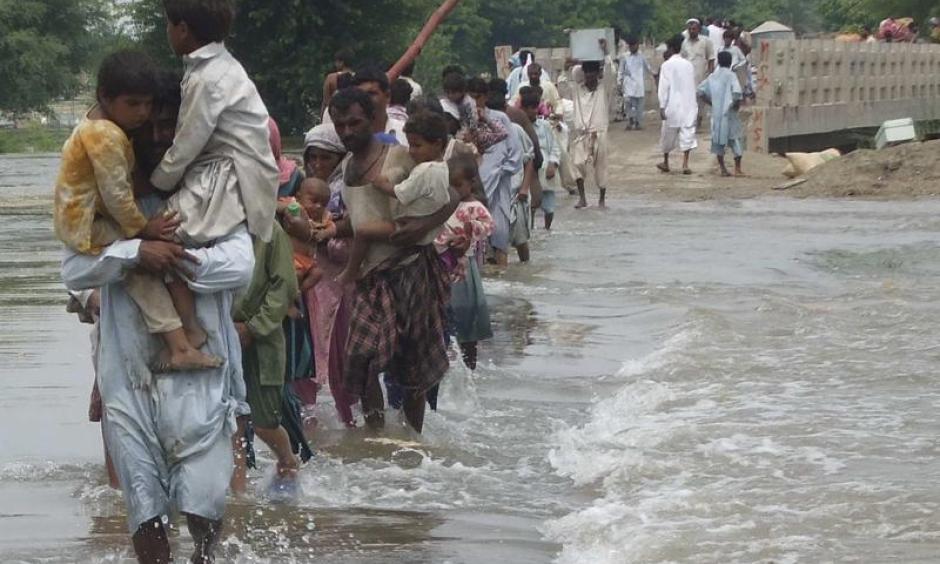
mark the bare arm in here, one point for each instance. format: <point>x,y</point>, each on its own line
<point>329,87</point>
<point>343,228</point>
<point>383,184</point>
<point>411,230</point>
<point>375,230</point>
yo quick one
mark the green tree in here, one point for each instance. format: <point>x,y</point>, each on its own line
<point>44,46</point>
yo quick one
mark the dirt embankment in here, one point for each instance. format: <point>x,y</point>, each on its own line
<point>911,170</point>
<point>906,171</point>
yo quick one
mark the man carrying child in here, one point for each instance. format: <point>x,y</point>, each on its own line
<point>170,434</point>
<point>397,323</point>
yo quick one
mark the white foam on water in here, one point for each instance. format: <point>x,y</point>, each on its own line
<point>421,483</point>
<point>458,392</point>
<point>659,357</point>
<point>739,441</point>
<point>43,471</point>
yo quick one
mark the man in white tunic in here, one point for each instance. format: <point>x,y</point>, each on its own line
<point>634,68</point>
<point>169,434</point>
<point>716,33</point>
<point>678,105</point>
<point>550,96</point>
<point>589,125</point>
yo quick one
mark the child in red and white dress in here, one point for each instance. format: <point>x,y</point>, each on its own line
<point>460,244</point>
<point>470,224</point>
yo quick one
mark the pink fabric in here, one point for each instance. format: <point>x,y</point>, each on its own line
<point>286,167</point>
<point>454,233</point>
<point>329,326</point>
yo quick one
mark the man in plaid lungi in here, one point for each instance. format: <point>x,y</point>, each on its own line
<point>397,321</point>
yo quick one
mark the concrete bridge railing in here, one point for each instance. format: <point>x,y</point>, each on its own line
<point>817,87</point>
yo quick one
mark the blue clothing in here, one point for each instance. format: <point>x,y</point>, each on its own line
<point>636,109</point>
<point>722,89</point>
<point>500,162</point>
<point>736,146</point>
<point>548,201</point>
<point>387,138</point>
<point>289,188</point>
<point>169,435</point>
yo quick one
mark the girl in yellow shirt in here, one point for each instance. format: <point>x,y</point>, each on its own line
<point>95,205</point>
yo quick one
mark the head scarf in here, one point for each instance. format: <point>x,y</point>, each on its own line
<point>324,137</point>
<point>691,21</point>
<point>285,166</point>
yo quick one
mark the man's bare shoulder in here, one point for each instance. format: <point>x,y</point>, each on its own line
<point>398,164</point>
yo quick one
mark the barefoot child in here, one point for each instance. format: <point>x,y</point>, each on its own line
<point>94,204</point>
<point>723,92</point>
<point>425,191</point>
<point>469,226</point>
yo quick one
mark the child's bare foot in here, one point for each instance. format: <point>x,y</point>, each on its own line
<point>581,204</point>
<point>184,361</point>
<point>739,173</point>
<point>196,336</point>
<point>687,171</point>
<point>663,167</point>
<point>725,173</point>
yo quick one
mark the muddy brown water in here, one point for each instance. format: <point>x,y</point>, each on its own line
<point>725,381</point>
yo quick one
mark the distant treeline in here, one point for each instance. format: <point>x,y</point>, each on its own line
<point>49,49</point>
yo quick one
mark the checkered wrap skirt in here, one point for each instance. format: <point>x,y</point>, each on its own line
<point>397,324</point>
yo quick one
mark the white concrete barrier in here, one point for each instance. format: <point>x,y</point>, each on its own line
<point>809,87</point>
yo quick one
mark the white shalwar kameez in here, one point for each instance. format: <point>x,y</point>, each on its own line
<point>169,435</point>
<point>677,98</point>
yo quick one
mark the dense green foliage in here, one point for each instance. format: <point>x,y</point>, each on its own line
<point>43,48</point>
<point>288,45</point>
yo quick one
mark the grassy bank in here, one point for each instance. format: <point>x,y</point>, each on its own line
<point>32,139</point>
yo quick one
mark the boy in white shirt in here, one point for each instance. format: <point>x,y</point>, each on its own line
<point>221,156</point>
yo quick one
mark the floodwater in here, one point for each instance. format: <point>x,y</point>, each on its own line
<point>738,381</point>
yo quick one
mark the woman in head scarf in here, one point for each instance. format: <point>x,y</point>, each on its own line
<point>324,321</point>
<point>323,152</point>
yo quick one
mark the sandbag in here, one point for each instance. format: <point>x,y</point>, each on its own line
<point>801,163</point>
<point>849,38</point>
